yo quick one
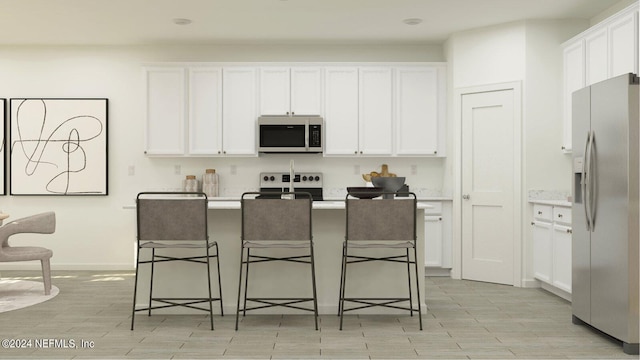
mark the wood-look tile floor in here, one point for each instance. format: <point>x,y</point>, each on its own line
<point>465,320</point>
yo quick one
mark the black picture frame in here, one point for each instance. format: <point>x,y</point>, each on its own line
<point>58,146</point>
<point>3,155</point>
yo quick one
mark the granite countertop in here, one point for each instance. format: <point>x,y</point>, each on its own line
<point>549,197</point>
<point>551,202</point>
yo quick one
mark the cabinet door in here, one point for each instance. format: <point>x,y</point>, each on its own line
<point>165,111</point>
<point>623,45</point>
<point>239,111</point>
<point>376,111</point>
<point>573,67</point>
<point>417,111</point>
<point>542,251</point>
<point>596,56</point>
<point>205,111</point>
<point>306,90</point>
<point>433,241</point>
<point>562,257</point>
<point>341,111</point>
<point>274,91</point>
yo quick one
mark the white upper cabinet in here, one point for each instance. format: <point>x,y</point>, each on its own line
<point>211,109</point>
<point>623,45</point>
<point>341,111</point>
<point>165,111</point>
<point>595,45</point>
<point>290,91</point>
<point>205,111</point>
<point>606,50</point>
<point>239,111</point>
<point>400,111</point>
<point>420,110</point>
<point>376,111</point>
<point>358,111</point>
<point>574,70</point>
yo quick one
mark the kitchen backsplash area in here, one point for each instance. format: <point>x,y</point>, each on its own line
<point>424,176</point>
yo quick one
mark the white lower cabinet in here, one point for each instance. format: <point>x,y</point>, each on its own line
<point>562,257</point>
<point>542,250</point>
<point>552,245</point>
<point>437,232</point>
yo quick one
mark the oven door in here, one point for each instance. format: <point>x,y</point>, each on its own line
<point>283,138</point>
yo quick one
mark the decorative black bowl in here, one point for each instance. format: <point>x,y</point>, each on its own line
<point>365,192</point>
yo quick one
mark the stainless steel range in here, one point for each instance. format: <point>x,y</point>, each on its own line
<point>310,182</point>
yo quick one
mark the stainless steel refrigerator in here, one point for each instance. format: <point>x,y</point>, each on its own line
<point>605,211</point>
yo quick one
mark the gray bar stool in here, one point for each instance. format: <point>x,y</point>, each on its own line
<point>175,220</point>
<point>380,224</point>
<point>270,223</point>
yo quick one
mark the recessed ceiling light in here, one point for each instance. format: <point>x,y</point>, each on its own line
<point>413,21</point>
<point>179,21</point>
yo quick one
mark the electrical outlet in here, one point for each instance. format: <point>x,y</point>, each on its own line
<point>356,169</point>
<point>132,170</point>
<point>177,169</point>
<point>233,169</point>
<point>414,169</point>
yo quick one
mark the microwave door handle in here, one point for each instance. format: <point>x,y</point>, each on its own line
<point>306,135</point>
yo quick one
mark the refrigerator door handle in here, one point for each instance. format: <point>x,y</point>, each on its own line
<point>585,181</point>
<point>593,169</point>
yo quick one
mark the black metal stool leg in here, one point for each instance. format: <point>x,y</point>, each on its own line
<point>239,286</point>
<point>135,288</point>
<point>209,286</point>
<point>409,282</point>
<point>313,281</point>
<point>415,258</point>
<point>153,259</point>
<point>219,280</point>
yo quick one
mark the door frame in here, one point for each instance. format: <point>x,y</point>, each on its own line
<point>516,86</point>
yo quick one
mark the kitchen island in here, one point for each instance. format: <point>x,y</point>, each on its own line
<point>377,279</point>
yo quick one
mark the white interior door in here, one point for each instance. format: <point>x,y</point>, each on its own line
<point>488,184</point>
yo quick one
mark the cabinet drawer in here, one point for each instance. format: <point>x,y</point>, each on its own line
<point>543,212</point>
<point>562,215</point>
<point>436,208</point>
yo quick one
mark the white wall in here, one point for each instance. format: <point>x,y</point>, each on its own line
<point>95,232</point>
<point>612,10</point>
<point>527,52</point>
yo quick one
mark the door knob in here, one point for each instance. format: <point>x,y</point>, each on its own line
<point>466,197</point>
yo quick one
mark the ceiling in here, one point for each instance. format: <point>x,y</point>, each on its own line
<point>84,22</point>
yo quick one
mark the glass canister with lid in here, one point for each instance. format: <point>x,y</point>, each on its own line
<point>190,184</point>
<point>210,183</point>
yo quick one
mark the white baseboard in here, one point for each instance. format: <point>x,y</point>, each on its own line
<point>555,291</point>
<point>437,271</point>
<point>530,283</point>
<point>35,265</point>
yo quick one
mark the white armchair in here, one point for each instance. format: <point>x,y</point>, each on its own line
<point>44,223</point>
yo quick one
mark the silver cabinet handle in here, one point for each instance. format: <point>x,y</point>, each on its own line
<point>466,197</point>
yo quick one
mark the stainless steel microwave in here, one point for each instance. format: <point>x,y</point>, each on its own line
<point>290,134</point>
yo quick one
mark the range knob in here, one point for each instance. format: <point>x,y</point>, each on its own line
<point>304,178</point>
<point>317,178</point>
<point>265,178</point>
<point>272,178</point>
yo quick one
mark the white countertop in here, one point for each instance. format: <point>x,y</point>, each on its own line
<point>234,204</point>
<point>318,205</point>
<point>551,202</point>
